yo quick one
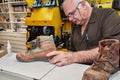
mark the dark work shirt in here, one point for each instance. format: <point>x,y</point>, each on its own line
<point>103,24</point>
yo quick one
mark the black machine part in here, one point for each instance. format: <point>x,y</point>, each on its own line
<point>116,4</point>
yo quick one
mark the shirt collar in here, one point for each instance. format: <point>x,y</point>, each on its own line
<point>93,16</point>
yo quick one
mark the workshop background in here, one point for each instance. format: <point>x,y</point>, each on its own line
<point>22,20</point>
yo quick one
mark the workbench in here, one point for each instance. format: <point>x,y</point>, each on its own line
<point>11,69</point>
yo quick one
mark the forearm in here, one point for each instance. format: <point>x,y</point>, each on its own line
<point>87,56</point>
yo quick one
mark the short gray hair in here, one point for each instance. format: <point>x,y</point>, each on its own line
<point>75,2</point>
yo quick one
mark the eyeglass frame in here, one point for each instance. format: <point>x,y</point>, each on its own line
<point>73,12</point>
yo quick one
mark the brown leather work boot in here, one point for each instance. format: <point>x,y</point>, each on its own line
<point>41,46</point>
<point>107,62</point>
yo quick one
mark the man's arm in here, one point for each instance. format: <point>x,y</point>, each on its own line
<point>87,56</point>
<point>61,58</point>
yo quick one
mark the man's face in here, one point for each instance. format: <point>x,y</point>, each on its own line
<point>74,12</point>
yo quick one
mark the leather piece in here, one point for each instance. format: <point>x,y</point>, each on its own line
<point>42,46</point>
<point>106,63</point>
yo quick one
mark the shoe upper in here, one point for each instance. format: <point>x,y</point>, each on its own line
<point>108,59</point>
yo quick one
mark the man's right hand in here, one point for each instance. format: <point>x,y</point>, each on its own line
<point>60,58</point>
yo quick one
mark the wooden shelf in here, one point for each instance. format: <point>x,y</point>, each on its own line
<point>12,16</point>
<point>13,10</point>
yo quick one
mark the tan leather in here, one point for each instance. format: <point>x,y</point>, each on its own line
<point>45,44</point>
<point>4,52</point>
<point>106,63</point>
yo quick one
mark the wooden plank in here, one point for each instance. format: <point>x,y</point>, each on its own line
<point>17,34</point>
<point>17,46</point>
<point>14,42</point>
<point>17,40</point>
<point>2,53</point>
<point>12,38</point>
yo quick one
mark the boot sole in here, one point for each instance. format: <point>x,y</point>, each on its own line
<point>44,59</point>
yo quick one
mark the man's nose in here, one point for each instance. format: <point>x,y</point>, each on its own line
<point>70,18</point>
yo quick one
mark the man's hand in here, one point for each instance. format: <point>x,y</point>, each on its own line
<point>60,58</point>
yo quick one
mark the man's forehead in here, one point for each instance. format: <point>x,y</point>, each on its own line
<point>69,6</point>
<point>67,2</point>
<point>71,3</point>
<point>68,9</point>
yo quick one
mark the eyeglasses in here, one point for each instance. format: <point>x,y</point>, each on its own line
<point>73,12</point>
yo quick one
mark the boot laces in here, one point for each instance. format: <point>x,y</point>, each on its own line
<point>103,59</point>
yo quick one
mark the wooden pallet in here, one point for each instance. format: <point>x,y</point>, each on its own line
<point>17,40</point>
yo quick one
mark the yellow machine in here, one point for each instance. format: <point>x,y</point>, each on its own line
<point>115,4</point>
<point>45,17</point>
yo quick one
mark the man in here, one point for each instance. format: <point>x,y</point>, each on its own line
<point>93,24</point>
